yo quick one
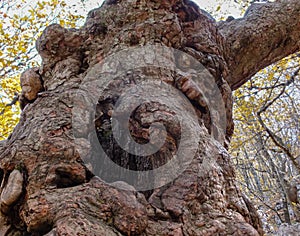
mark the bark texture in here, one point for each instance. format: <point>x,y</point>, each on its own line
<point>267,33</point>
<point>46,187</point>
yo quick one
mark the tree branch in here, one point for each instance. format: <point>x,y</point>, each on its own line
<point>261,200</point>
<point>275,138</point>
<point>267,33</point>
<point>13,102</point>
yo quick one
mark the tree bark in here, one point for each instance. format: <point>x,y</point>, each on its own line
<point>55,179</point>
<point>267,33</point>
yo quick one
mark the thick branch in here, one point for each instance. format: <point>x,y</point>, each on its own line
<point>267,33</point>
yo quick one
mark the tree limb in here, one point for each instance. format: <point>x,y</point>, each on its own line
<point>275,138</point>
<point>261,200</point>
<point>267,33</point>
<point>13,102</point>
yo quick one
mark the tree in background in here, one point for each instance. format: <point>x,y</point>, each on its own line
<point>265,144</point>
<point>266,140</point>
<point>22,22</point>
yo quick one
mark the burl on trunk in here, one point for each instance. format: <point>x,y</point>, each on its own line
<point>126,122</point>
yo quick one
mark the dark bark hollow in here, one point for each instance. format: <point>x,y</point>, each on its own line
<point>56,159</point>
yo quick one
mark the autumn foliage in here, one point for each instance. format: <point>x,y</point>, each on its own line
<point>21,24</point>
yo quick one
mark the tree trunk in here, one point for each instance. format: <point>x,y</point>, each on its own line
<point>127,134</point>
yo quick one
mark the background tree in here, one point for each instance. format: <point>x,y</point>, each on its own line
<point>267,133</point>
<point>266,139</point>
<point>22,23</point>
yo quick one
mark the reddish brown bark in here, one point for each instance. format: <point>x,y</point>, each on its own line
<point>56,193</point>
<point>267,33</point>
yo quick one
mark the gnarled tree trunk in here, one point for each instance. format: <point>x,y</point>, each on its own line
<point>126,123</point>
